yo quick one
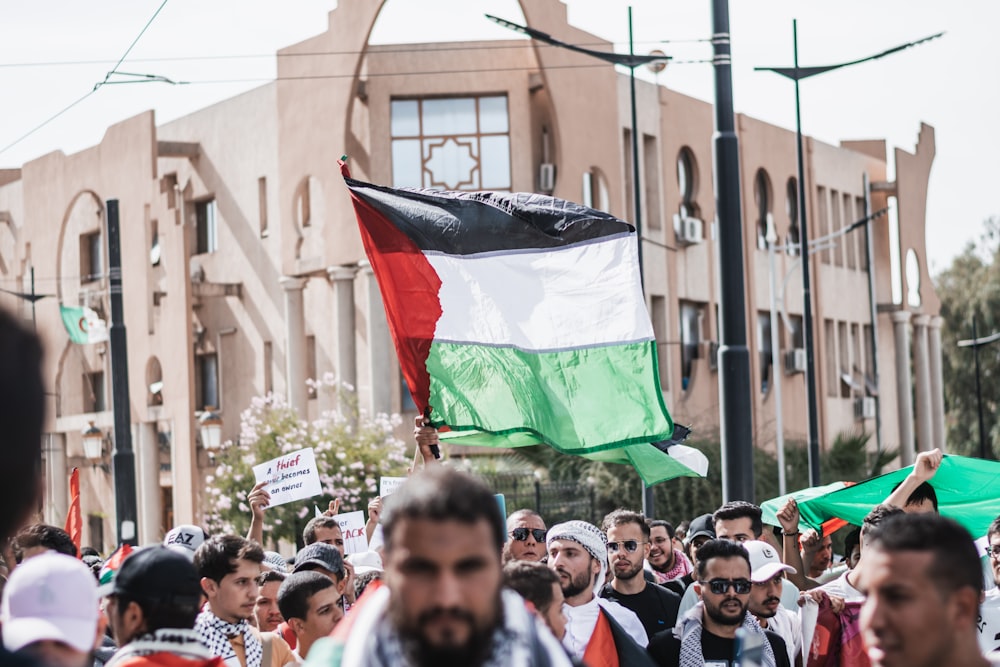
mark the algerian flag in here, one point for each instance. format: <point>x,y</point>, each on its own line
<point>83,325</point>
<point>519,319</point>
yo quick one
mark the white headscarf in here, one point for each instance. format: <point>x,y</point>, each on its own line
<point>588,536</point>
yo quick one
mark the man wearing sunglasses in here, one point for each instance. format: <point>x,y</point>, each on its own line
<point>706,635</point>
<point>628,548</point>
<point>525,537</point>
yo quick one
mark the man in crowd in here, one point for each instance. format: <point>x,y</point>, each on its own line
<point>989,623</point>
<point>443,602</point>
<point>922,584</point>
<point>265,610</point>
<point>152,604</point>
<point>817,554</point>
<point>767,577</point>
<point>598,631</point>
<point>539,585</point>
<point>707,634</point>
<point>628,547</point>
<point>915,495</point>
<point>39,538</point>
<point>229,566</point>
<point>667,564</point>
<point>185,539</point>
<point>525,537</point>
<point>310,604</point>
<point>738,521</point>
<point>50,611</point>
<point>700,530</point>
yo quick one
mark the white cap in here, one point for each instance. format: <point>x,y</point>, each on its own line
<point>185,539</point>
<point>365,561</point>
<point>50,597</point>
<point>764,561</point>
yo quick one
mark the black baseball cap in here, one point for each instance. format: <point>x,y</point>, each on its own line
<point>701,526</point>
<point>319,554</point>
<point>156,574</point>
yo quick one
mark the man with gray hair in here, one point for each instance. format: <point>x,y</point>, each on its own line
<point>598,631</point>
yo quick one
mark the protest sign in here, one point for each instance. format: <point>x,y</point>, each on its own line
<point>290,477</point>
<point>352,525</point>
<point>388,485</point>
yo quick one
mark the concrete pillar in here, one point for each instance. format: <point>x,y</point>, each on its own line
<point>184,469</point>
<point>379,347</point>
<point>57,479</point>
<point>147,462</point>
<point>343,295</point>
<point>295,344</point>
<point>904,388</point>
<point>921,364</point>
<point>937,382</point>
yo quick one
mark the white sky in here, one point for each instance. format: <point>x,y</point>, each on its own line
<point>950,83</point>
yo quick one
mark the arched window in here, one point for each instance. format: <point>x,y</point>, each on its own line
<point>792,209</point>
<point>687,183</point>
<point>762,199</point>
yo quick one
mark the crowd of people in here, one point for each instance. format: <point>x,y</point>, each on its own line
<point>454,582</point>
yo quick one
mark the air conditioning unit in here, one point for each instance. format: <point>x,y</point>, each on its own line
<point>713,355</point>
<point>864,408</point>
<point>795,361</point>
<point>546,177</point>
<point>689,231</point>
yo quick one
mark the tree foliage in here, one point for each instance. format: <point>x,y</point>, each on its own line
<point>970,287</point>
<point>352,451</point>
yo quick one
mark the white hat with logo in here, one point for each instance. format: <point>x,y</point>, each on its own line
<point>185,539</point>
<point>764,561</point>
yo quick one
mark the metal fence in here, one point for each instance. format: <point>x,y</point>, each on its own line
<point>554,501</point>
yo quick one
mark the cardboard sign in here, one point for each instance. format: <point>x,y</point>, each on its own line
<point>290,477</point>
<point>352,525</point>
<point>388,485</point>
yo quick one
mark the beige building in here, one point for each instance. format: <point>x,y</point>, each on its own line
<point>243,270</point>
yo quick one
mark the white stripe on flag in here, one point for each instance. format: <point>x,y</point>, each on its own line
<point>567,298</point>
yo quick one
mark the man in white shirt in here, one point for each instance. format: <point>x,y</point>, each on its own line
<point>767,574</point>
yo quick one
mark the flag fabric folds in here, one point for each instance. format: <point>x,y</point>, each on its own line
<point>518,319</point>
<point>113,563</point>
<point>74,519</point>
<point>83,324</point>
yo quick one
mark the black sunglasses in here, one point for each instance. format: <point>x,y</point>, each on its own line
<point>521,534</point>
<point>720,586</point>
<point>628,545</point>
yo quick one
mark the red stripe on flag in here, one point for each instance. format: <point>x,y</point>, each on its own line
<point>74,519</point>
<point>409,287</point>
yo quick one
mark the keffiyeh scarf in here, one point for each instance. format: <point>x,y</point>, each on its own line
<point>215,634</point>
<point>588,536</point>
<point>682,566</point>
<point>689,631</point>
<point>183,643</point>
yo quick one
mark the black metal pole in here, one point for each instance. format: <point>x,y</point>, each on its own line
<point>123,458</point>
<point>734,357</point>
<point>34,322</point>
<point>979,391</point>
<point>807,318</point>
<point>648,498</point>
<point>873,310</point>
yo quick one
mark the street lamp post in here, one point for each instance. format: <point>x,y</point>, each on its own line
<point>975,343</point>
<point>631,61</point>
<point>796,74</point>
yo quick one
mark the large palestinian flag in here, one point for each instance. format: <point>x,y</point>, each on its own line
<point>518,319</point>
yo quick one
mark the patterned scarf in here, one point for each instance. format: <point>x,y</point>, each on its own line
<point>689,630</point>
<point>180,642</point>
<point>682,566</point>
<point>215,634</point>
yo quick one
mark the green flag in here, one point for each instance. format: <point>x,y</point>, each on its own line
<point>83,325</point>
<point>968,491</point>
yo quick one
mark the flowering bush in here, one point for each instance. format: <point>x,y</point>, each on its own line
<point>352,451</point>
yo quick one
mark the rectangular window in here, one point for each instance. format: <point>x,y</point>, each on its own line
<point>830,351</point>
<point>91,264</point>
<point>95,524</point>
<point>692,315</point>
<point>796,338</point>
<point>651,174</point>
<point>629,187</point>
<point>262,204</point>
<point>850,244</point>
<point>823,211</point>
<point>268,367</point>
<point>658,314</point>
<point>866,344</point>
<point>455,143</point>
<point>845,360</point>
<point>764,346</point>
<point>311,363</point>
<point>94,393</point>
<point>206,225</point>
<point>835,224</point>
<point>206,381</point>
<point>862,234</point>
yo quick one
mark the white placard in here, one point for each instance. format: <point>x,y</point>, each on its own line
<point>352,525</point>
<point>389,485</point>
<point>290,477</point>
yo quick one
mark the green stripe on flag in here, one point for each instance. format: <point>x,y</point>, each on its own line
<point>73,319</point>
<point>594,394</point>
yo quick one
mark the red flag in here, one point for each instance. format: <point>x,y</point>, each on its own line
<point>74,519</point>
